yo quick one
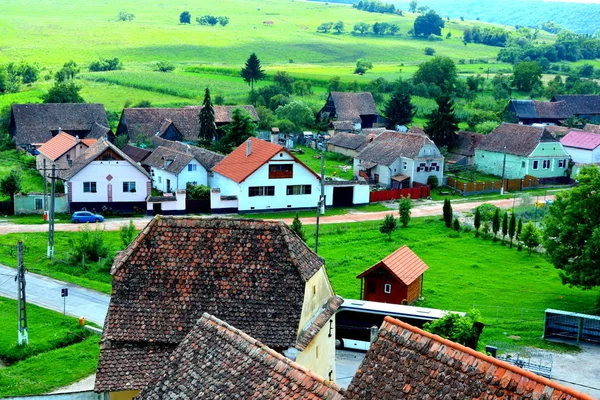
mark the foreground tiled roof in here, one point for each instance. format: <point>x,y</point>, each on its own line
<point>95,151</point>
<point>218,361</point>
<point>250,273</point>
<point>515,139</point>
<point>389,145</point>
<point>580,104</point>
<point>581,140</point>
<point>350,106</point>
<point>35,123</point>
<point>402,263</point>
<point>405,362</point>
<point>60,144</point>
<point>350,141</point>
<point>207,158</point>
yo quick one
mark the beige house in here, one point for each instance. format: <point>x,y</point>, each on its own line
<point>258,276</point>
<point>61,150</point>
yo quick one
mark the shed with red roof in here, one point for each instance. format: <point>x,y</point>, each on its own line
<point>398,278</point>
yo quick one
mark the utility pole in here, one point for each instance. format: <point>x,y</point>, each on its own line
<point>21,302</point>
<point>321,202</point>
<point>503,170</point>
<point>45,185</point>
<point>50,253</point>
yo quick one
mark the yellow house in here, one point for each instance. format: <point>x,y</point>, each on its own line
<point>256,275</point>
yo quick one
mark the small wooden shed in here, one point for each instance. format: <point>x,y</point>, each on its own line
<point>396,278</point>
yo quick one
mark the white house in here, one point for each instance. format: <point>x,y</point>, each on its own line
<point>105,177</point>
<point>259,175</point>
<point>583,147</point>
<point>399,160</point>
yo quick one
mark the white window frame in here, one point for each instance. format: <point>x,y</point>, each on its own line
<point>293,190</point>
<point>546,164</point>
<point>387,288</point>
<point>131,187</point>
<point>91,187</point>
<point>262,191</point>
<point>535,164</point>
<point>404,165</point>
<point>192,167</point>
<point>562,163</point>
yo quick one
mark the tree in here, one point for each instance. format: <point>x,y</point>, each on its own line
<point>121,140</point>
<point>527,75</point>
<point>361,28</point>
<point>439,71</point>
<point>404,206</point>
<point>252,71</point>
<point>164,66</point>
<point>127,233</point>
<point>185,17</point>
<point>66,92</point>
<point>496,224</point>
<point>11,184</point>
<point>284,80</point>
<point>501,87</point>
<point>512,228</point>
<point>477,221</point>
<point>442,124</point>
<point>428,24</point>
<point>208,129</point>
<point>518,234</point>
<point>399,110</point>
<point>485,231</point>
<point>429,51</point>
<point>362,66</point>
<point>412,6</point>
<point>456,225</point>
<point>339,26</point>
<point>388,226</point>
<point>68,72</point>
<point>504,226</point>
<point>572,231</point>
<point>460,329</point>
<point>447,213</point>
<point>300,114</point>
<point>223,21</point>
<point>325,27</point>
<point>297,227</point>
<point>530,236</point>
<point>238,131</point>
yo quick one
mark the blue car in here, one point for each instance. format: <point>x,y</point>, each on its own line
<point>86,216</point>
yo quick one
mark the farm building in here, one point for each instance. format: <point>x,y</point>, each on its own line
<point>395,279</point>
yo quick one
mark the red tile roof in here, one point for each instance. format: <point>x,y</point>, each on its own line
<point>60,144</point>
<point>581,140</point>
<point>405,362</point>
<point>216,360</point>
<point>237,166</point>
<point>403,263</point>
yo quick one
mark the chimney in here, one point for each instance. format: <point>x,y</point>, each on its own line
<point>187,149</point>
<point>76,138</point>
<point>248,147</point>
<point>275,135</point>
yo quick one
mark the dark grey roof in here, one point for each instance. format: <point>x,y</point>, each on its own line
<point>549,110</point>
<point>97,131</point>
<point>350,141</point>
<point>524,108</point>
<point>387,147</point>
<point>175,161</point>
<point>207,158</point>
<point>580,104</point>
<point>36,123</point>
<point>92,153</point>
<point>342,125</point>
<point>350,106</point>
<point>466,143</point>
<point>515,139</point>
<point>137,154</point>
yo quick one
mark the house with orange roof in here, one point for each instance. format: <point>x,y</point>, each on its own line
<point>397,279</point>
<point>61,150</point>
<point>259,176</point>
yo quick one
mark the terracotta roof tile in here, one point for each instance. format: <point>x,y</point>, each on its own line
<point>251,273</point>
<point>59,145</point>
<point>218,361</point>
<point>314,326</point>
<point>591,128</point>
<point>402,263</point>
<point>405,362</point>
<point>581,140</point>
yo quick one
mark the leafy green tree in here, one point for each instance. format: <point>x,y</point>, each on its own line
<point>362,66</point>
<point>335,84</point>
<point>530,236</point>
<point>527,75</point>
<point>501,87</point>
<point>412,6</point>
<point>460,329</point>
<point>66,92</point>
<point>197,192</point>
<point>339,26</point>
<point>404,206</point>
<point>238,131</point>
<point>10,80</point>
<point>496,224</point>
<point>572,231</point>
<point>518,234</point>
<point>456,225</point>
<point>11,184</point>
<point>439,71</point>
<point>208,129</point>
<point>325,27</point>
<point>164,66</point>
<point>252,71</point>
<point>102,64</point>
<point>428,24</point>
<point>121,140</point>
<point>512,228</point>
<point>300,114</point>
<point>223,21</point>
<point>68,72</point>
<point>477,221</point>
<point>185,17</point>
<point>399,110</point>
<point>284,80</point>
<point>442,123</point>
<point>504,226</point>
<point>485,231</point>
<point>127,233</point>
<point>447,210</point>
<point>361,28</point>
<point>297,227</point>
<point>388,226</point>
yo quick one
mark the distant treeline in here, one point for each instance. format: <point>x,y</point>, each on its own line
<point>377,7</point>
<point>489,36</point>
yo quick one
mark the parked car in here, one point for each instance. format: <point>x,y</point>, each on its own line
<point>86,216</point>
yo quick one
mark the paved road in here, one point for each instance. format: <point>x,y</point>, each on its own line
<point>45,292</point>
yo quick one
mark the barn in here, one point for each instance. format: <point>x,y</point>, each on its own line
<point>397,279</point>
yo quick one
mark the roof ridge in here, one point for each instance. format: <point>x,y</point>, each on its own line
<point>492,360</point>
<point>271,352</point>
<point>125,254</point>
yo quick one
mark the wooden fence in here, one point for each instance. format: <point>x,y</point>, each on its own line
<point>394,194</point>
<point>510,185</point>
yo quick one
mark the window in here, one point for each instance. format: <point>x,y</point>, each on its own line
<point>434,166</point>
<point>421,167</point>
<point>192,167</point>
<point>404,165</point>
<point>298,189</point>
<point>280,171</point>
<point>89,187</point>
<point>522,164</point>
<point>261,191</point>
<point>561,163</point>
<point>535,164</point>
<point>546,164</point>
<point>160,179</point>
<point>372,287</point>
<point>387,288</point>
<point>128,187</point>
<point>39,203</point>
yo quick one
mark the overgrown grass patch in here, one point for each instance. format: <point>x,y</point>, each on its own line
<point>336,165</point>
<point>24,163</point>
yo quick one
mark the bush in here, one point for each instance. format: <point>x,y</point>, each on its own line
<point>123,16</point>
<point>429,51</point>
<point>127,232</point>
<point>193,192</point>
<point>164,66</point>
<point>464,330</point>
<point>433,181</point>
<point>87,246</point>
<point>102,64</point>
<point>487,211</point>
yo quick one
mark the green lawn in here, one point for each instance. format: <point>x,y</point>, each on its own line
<point>334,163</point>
<point>31,180</point>
<point>49,362</point>
<point>375,207</point>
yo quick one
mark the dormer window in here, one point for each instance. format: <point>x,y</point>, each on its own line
<point>281,171</point>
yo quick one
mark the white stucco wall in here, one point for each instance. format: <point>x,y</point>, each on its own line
<point>177,205</point>
<point>583,156</point>
<point>179,181</point>
<point>98,171</point>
